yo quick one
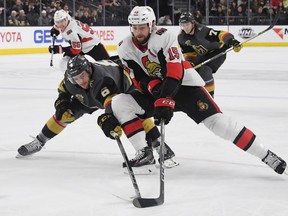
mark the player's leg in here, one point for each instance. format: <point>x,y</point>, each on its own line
<point>52,128</point>
<point>127,112</point>
<point>204,109</point>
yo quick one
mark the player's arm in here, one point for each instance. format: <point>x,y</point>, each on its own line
<point>173,75</point>
<point>63,105</point>
<point>107,121</point>
<point>225,38</point>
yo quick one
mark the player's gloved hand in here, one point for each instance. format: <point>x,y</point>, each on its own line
<point>235,44</point>
<point>54,32</point>
<point>55,49</point>
<point>63,110</point>
<point>110,125</point>
<point>163,110</point>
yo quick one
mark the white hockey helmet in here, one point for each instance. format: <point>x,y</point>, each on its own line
<point>61,15</point>
<point>141,15</point>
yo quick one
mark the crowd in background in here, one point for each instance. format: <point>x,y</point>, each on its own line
<point>115,12</point>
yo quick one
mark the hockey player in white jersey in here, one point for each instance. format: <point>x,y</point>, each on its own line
<point>80,36</point>
<point>155,63</point>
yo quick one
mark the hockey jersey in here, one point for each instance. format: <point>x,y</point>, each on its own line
<point>107,80</point>
<point>80,36</point>
<point>203,44</point>
<point>159,61</point>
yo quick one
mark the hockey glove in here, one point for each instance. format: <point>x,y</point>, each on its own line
<point>163,110</point>
<point>55,49</point>
<point>110,125</point>
<point>63,110</point>
<point>54,32</point>
<point>235,44</point>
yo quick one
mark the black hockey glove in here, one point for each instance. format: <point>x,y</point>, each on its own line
<point>235,44</point>
<point>54,32</point>
<point>63,109</point>
<point>163,110</point>
<point>55,49</point>
<point>110,125</point>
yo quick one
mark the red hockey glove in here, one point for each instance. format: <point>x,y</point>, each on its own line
<point>55,49</point>
<point>163,110</point>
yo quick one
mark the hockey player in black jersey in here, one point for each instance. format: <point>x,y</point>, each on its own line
<point>199,43</point>
<point>87,87</point>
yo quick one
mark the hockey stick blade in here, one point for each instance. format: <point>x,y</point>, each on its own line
<point>140,202</point>
<point>147,202</point>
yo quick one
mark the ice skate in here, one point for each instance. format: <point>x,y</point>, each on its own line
<point>169,156</point>
<point>275,162</point>
<point>30,148</point>
<point>143,163</point>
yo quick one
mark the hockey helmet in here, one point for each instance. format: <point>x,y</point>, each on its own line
<point>186,17</point>
<point>141,15</point>
<point>61,15</point>
<point>76,66</point>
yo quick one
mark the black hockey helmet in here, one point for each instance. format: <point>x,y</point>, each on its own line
<point>186,17</point>
<point>76,66</point>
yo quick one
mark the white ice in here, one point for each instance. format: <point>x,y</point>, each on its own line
<point>79,171</point>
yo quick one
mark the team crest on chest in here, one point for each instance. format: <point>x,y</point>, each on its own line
<point>153,68</point>
<point>188,43</point>
<point>80,98</point>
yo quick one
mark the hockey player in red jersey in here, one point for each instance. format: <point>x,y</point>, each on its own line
<point>155,63</point>
<point>86,88</point>
<point>199,43</point>
<point>82,39</point>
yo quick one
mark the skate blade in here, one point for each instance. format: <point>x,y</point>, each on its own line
<point>168,164</point>
<point>143,170</point>
<point>18,156</point>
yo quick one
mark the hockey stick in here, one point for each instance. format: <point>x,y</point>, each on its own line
<point>249,39</point>
<point>52,53</point>
<point>129,169</point>
<point>149,202</point>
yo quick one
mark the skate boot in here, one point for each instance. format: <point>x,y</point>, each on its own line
<point>143,163</point>
<point>30,148</point>
<point>169,155</point>
<point>275,162</point>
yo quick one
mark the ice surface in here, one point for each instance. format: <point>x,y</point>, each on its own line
<point>79,170</point>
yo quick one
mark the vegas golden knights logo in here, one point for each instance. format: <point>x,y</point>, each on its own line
<point>200,49</point>
<point>80,98</point>
<point>202,106</point>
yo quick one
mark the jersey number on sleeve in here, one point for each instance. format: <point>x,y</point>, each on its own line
<point>173,53</point>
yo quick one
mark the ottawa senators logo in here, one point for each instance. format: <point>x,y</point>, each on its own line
<point>202,106</point>
<point>153,68</point>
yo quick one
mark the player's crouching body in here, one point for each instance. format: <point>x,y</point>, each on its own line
<point>87,87</point>
<point>154,62</point>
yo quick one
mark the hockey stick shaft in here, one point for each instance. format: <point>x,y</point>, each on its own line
<point>130,171</point>
<point>231,48</point>
<point>52,53</point>
<point>149,202</point>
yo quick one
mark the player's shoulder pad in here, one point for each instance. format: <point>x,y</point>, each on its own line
<point>160,31</point>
